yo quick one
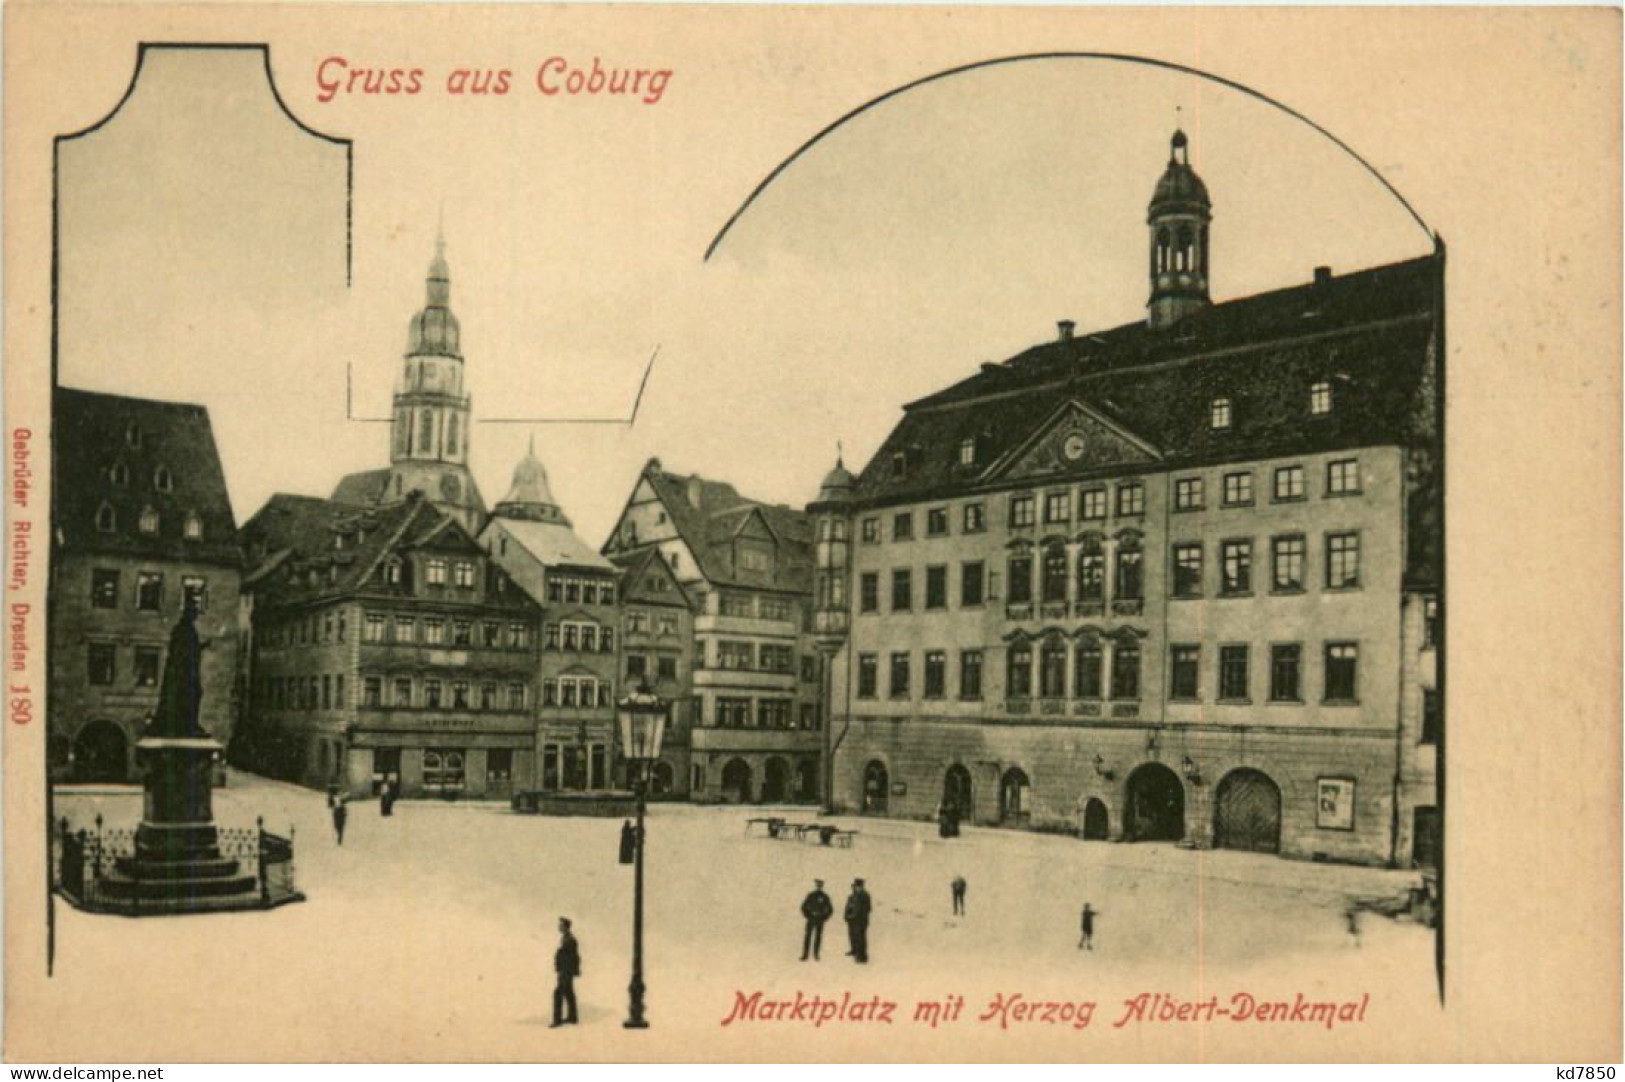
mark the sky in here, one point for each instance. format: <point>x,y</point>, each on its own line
<point>203,254</point>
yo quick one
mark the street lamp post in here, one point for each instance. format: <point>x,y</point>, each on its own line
<point>642,716</point>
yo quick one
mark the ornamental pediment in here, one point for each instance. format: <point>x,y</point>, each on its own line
<point>1076,438</point>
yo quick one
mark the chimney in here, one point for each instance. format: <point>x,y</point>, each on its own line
<point>1066,327</point>
<point>1322,275</point>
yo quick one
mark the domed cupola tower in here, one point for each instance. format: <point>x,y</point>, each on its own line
<point>1178,217</point>
<point>430,437</point>
<point>530,497</point>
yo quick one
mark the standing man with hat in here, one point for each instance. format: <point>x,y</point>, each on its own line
<point>816,908</point>
<point>858,906</point>
<point>567,967</point>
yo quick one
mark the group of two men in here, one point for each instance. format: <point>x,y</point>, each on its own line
<point>817,909</point>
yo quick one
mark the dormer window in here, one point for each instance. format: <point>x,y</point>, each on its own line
<point>899,464</point>
<point>194,527</point>
<point>149,521</point>
<point>106,518</point>
<point>132,434</point>
<point>1219,413</point>
<point>967,451</point>
<point>119,474</point>
<point>162,479</point>
<point>1320,398</point>
<point>392,572</point>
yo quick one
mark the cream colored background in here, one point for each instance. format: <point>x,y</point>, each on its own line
<point>1500,126</point>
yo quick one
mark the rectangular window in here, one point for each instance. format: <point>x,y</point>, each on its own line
<point>567,692</point>
<point>550,692</point>
<point>373,630</point>
<point>902,590</point>
<point>1131,498</point>
<point>776,657</point>
<point>1091,572</point>
<point>666,668</point>
<point>516,696</point>
<point>1430,623</point>
<point>491,634</point>
<point>1087,664</point>
<point>1238,489</point>
<point>431,694</point>
<point>735,655</point>
<point>1342,561</point>
<point>1052,670</point>
<point>732,604</point>
<point>327,692</point>
<point>1286,673</point>
<point>1021,579</point>
<point>1130,577</point>
<point>462,632</point>
<point>488,696</point>
<point>1287,558</point>
<point>1184,672</point>
<point>1288,483</point>
<point>1094,503</point>
<point>437,572</point>
<point>499,766</point>
<point>1018,680</point>
<point>972,579</point>
<point>572,636</point>
<point>970,675</point>
<point>403,691</point>
<point>518,636</point>
<point>899,675</point>
<point>147,666</point>
<point>1343,477</point>
<point>975,518</point>
<point>1342,672</point>
<point>936,587</point>
<point>405,629</point>
<point>1126,671</point>
<point>967,451</point>
<point>936,522</point>
<point>1054,584</point>
<point>372,691</point>
<point>636,665</point>
<point>1320,398</point>
<point>868,678</point>
<point>936,674</point>
<point>1237,567</point>
<point>465,574</point>
<point>732,713</point>
<point>902,526</point>
<point>773,713</point>
<point>103,588</point>
<point>1188,570</point>
<point>1233,677</point>
<point>1058,507</point>
<point>589,638</point>
<point>459,695</point>
<point>869,592</point>
<point>1188,494</point>
<point>149,591</point>
<point>774,608</point>
<point>1021,510</point>
<point>870,531</point>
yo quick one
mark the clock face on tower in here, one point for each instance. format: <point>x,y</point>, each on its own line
<point>1073,447</point>
<point>449,486</point>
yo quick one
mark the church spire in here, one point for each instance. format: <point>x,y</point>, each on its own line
<point>434,330</point>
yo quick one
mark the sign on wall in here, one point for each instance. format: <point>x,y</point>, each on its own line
<point>1334,804</point>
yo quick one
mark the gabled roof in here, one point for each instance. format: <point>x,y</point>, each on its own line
<point>110,450</point>
<point>553,544</point>
<point>1369,334</point>
<point>709,514</point>
<point>638,568</point>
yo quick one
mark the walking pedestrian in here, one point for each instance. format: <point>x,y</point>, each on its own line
<point>816,908</point>
<point>566,967</point>
<point>959,886</point>
<point>858,907</point>
<point>340,814</point>
<point>386,798</point>
<point>1086,942</point>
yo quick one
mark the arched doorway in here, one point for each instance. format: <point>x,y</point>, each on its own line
<point>957,795</point>
<point>807,780</point>
<point>1015,796</point>
<point>876,788</point>
<point>663,780</point>
<point>101,753</point>
<point>1096,826</point>
<point>1156,805</point>
<point>736,781</point>
<point>776,781</point>
<point>1247,813</point>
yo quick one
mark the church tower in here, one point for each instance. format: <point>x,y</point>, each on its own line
<point>430,435</point>
<point>1178,217</point>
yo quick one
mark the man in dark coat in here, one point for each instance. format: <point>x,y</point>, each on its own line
<point>340,814</point>
<point>958,887</point>
<point>567,966</point>
<point>858,906</point>
<point>816,908</point>
<point>1086,942</point>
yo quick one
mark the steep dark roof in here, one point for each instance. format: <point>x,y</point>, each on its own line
<point>709,523</point>
<point>303,548</point>
<point>96,435</point>
<point>364,487</point>
<point>1369,334</point>
<point>637,567</point>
